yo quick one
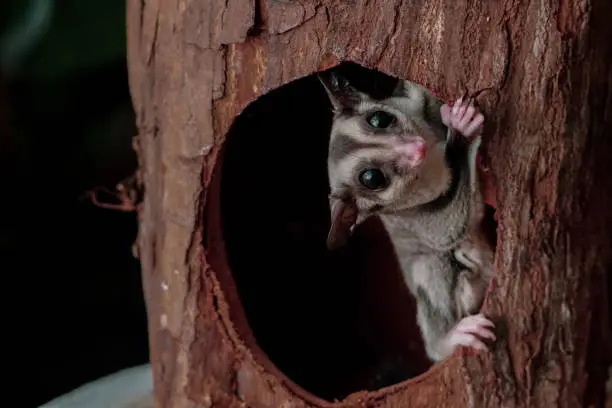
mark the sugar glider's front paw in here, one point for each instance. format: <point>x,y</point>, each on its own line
<point>469,332</point>
<point>463,117</point>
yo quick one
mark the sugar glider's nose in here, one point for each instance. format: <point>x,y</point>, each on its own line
<point>411,152</point>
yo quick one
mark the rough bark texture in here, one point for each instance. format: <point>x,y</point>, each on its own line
<point>546,67</point>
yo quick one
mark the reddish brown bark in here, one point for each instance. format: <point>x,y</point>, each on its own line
<point>546,72</point>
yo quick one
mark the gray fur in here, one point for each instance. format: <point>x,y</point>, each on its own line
<point>432,213</point>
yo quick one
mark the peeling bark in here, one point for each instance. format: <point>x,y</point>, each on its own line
<point>545,71</point>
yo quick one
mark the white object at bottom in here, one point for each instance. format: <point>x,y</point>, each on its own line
<point>129,388</point>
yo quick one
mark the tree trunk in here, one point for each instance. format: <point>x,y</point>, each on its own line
<point>222,336</point>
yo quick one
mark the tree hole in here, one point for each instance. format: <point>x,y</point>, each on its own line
<point>333,322</point>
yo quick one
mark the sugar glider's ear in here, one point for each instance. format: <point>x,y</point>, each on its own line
<point>344,214</point>
<point>341,93</point>
<point>431,104</point>
<point>400,88</point>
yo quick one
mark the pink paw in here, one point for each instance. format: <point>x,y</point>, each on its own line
<point>464,117</point>
<point>469,329</point>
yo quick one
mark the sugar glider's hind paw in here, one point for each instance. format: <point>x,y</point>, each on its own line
<point>470,331</point>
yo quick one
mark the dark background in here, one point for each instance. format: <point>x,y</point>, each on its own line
<point>66,124</point>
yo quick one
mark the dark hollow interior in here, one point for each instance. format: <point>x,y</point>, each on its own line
<point>333,322</point>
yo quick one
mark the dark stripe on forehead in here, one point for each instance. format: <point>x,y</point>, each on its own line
<point>344,145</point>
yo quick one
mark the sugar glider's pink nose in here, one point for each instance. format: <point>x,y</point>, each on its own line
<point>411,153</point>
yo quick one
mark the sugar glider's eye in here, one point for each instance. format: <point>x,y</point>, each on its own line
<point>373,179</point>
<point>380,119</point>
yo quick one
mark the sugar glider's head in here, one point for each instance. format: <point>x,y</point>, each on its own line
<point>385,155</point>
